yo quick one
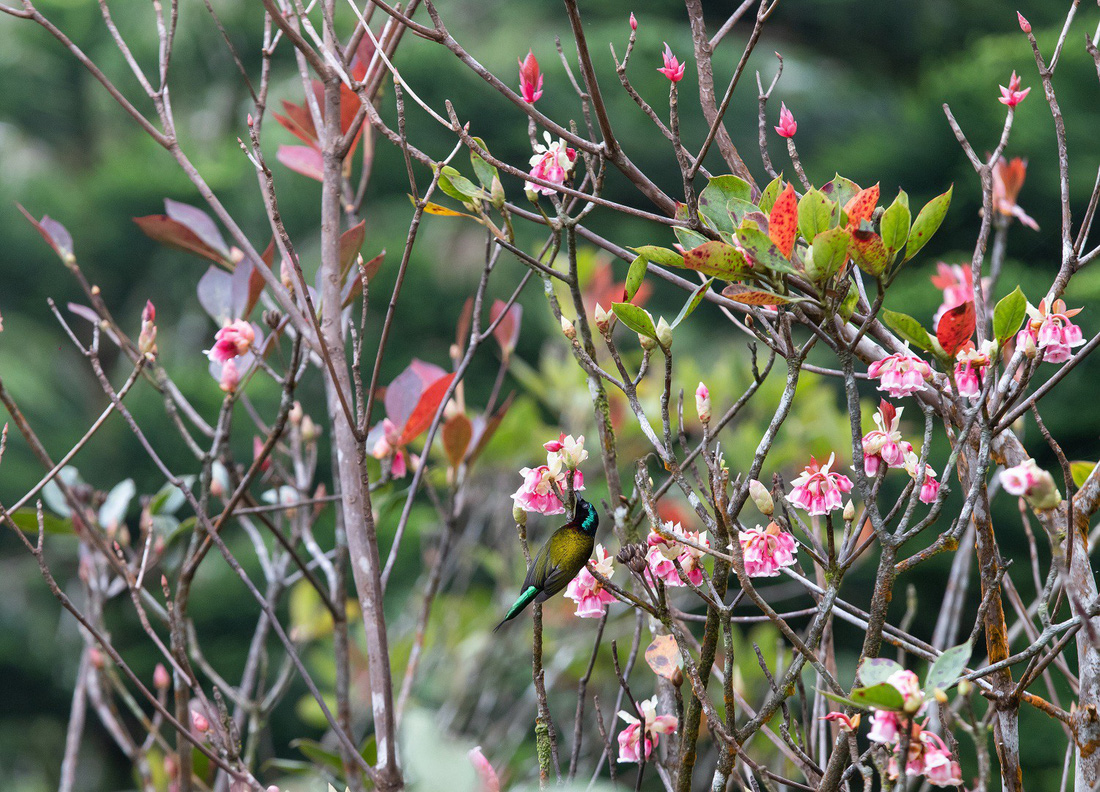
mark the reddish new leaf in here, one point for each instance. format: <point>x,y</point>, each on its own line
<point>955,327</point>
<point>422,414</point>
<point>305,160</point>
<point>407,388</point>
<point>354,285</point>
<point>457,432</point>
<point>174,234</point>
<point>862,206</point>
<point>507,332</point>
<point>299,122</point>
<point>783,223</point>
<point>55,234</point>
<point>351,242</point>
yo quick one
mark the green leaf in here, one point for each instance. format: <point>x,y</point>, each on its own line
<point>771,192</point>
<point>318,754</point>
<point>484,171</point>
<point>879,696</point>
<point>928,220</point>
<point>763,251</point>
<point>895,224</point>
<point>689,239</point>
<point>1081,470</point>
<point>692,303</point>
<point>718,260</point>
<point>847,702</point>
<point>637,319</point>
<point>1009,315</point>
<point>454,184</point>
<point>840,190</point>
<point>908,328</point>
<point>829,252</point>
<point>27,520</point>
<point>876,670</point>
<point>851,299</point>
<point>714,201</point>
<point>868,252</point>
<point>816,213</point>
<point>660,256</point>
<point>634,276</point>
<point>947,669</point>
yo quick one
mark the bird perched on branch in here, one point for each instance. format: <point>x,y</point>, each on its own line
<point>560,559</point>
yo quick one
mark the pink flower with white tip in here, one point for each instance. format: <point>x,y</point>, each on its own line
<point>568,449</point>
<point>908,685</point>
<point>929,488</point>
<point>231,341</point>
<point>661,552</point>
<point>787,125</point>
<point>672,69</point>
<point>900,374</point>
<point>969,367</point>
<point>1030,482</point>
<point>884,446</point>
<point>766,550</point>
<point>530,78</point>
<point>640,737</point>
<point>536,494</point>
<point>553,163</point>
<point>1052,332</point>
<point>589,593</point>
<point>1012,95</point>
<point>818,489</point>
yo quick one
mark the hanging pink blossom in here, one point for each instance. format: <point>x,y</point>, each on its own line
<point>488,776</point>
<point>884,446</point>
<point>553,162</point>
<point>589,593</point>
<point>230,376</point>
<point>672,69</point>
<point>1052,332</point>
<point>1008,179</point>
<point>530,78</point>
<point>884,727</point>
<point>231,341</point>
<point>1012,95</point>
<point>1030,482</point>
<point>787,125</point>
<point>969,367</point>
<point>388,445</point>
<point>640,737</point>
<point>661,552</point>
<point>818,490</point>
<point>930,488</point>
<point>900,374</point>
<point>766,550</point>
<point>939,767</point>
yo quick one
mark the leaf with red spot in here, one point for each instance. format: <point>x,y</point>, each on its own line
<point>426,407</point>
<point>783,222</point>
<point>507,332</point>
<point>305,160</point>
<point>747,295</point>
<point>955,327</point>
<point>862,206</point>
<point>186,228</point>
<point>717,259</point>
<point>868,252</point>
<point>55,234</point>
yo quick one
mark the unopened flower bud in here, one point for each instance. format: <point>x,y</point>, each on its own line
<point>567,328</point>
<point>664,333</point>
<point>940,696</point>
<point>147,341</point>
<point>273,318</point>
<point>849,512</point>
<point>95,657</point>
<point>532,196</point>
<point>677,677</point>
<point>1024,24</point>
<point>633,22</point>
<point>310,431</point>
<point>966,687</point>
<point>761,497</point>
<point>199,721</point>
<point>603,319</point>
<point>296,413</point>
<point>518,514</point>
<point>702,403</point>
<point>647,342</point>
<point>496,193</point>
<point>161,678</point>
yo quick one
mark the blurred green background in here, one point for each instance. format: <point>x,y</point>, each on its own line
<point>865,81</point>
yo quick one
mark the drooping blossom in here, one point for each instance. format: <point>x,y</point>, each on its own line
<point>702,403</point>
<point>589,593</point>
<point>787,125</point>
<point>530,78</point>
<point>818,489</point>
<point>147,340</point>
<point>940,768</point>
<point>766,550</point>
<point>388,446</point>
<point>536,494</point>
<point>1030,482</point>
<point>884,446</point>
<point>1012,95</point>
<point>900,374</point>
<point>485,772</point>
<point>640,737</point>
<point>660,553</point>
<point>929,488</point>
<point>884,727</point>
<point>1008,179</point>
<point>231,341</point>
<point>570,451</point>
<point>1052,332</point>
<point>970,364</point>
<point>672,69</point>
<point>553,163</point>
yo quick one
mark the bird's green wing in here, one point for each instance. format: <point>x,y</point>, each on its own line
<point>563,556</point>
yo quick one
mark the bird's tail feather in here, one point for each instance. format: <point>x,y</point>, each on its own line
<point>522,602</point>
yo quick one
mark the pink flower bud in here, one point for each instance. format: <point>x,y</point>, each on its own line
<point>230,378</point>
<point>787,125</point>
<point>702,403</point>
<point>1012,95</point>
<point>530,78</point>
<point>633,22</point>
<point>95,657</point>
<point>161,678</point>
<point>199,721</point>
<point>1024,24</point>
<point>568,329</point>
<point>147,341</point>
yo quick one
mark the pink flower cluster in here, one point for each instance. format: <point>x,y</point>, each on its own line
<point>536,494</point>
<point>640,737</point>
<point>387,445</point>
<point>900,374</point>
<point>884,446</point>
<point>787,125</point>
<point>929,488</point>
<point>661,553</point>
<point>970,363</point>
<point>589,593</point>
<point>1030,482</point>
<point>818,489</point>
<point>230,343</point>
<point>672,69</point>
<point>766,550</point>
<point>553,163</point>
<point>1051,332</point>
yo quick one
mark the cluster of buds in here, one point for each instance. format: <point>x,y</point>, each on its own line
<point>632,556</point>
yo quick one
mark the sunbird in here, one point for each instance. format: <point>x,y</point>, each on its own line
<point>560,559</point>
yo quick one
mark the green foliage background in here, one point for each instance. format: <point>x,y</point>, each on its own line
<point>866,82</point>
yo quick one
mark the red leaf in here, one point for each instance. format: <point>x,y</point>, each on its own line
<point>55,234</point>
<point>507,332</point>
<point>485,428</point>
<point>888,412</point>
<point>862,206</point>
<point>783,224</point>
<point>174,234</point>
<point>422,414</point>
<point>305,160</point>
<point>955,327</point>
<point>406,389</point>
<point>354,285</point>
<point>255,287</point>
<point>199,223</point>
<point>299,122</point>
<point>351,242</point>
<point>364,52</point>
